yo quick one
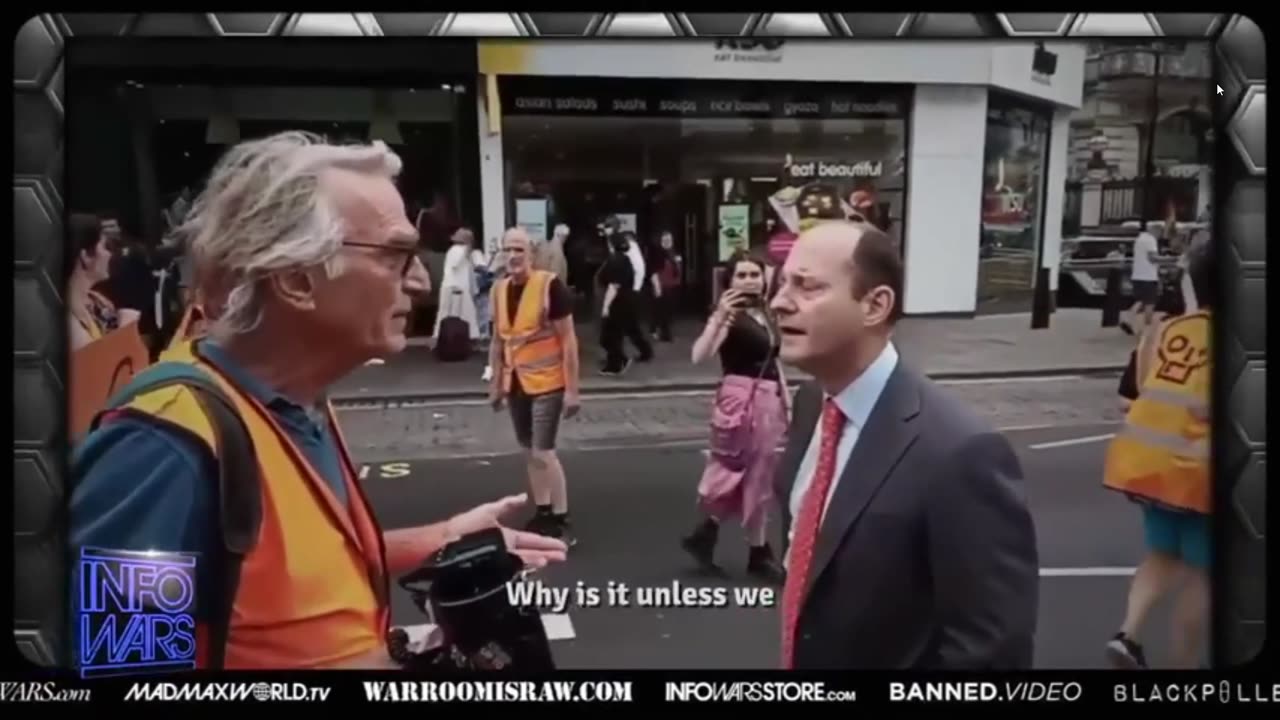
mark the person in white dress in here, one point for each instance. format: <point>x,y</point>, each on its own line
<point>457,283</point>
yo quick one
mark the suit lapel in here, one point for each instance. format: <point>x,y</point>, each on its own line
<point>803,420</point>
<point>881,444</point>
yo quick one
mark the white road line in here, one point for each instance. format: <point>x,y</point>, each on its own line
<point>1009,380</point>
<point>1088,572</point>
<point>558,626</point>
<point>1071,441</point>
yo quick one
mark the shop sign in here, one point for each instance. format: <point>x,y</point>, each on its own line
<point>529,95</point>
<point>734,230</point>
<point>531,214</point>
<point>821,169</point>
<point>748,50</point>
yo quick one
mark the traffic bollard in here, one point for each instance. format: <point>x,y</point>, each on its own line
<point>1042,301</point>
<point>1111,300</point>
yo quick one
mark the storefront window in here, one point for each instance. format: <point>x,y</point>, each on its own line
<point>690,156</point>
<point>193,125</point>
<point>1017,146</point>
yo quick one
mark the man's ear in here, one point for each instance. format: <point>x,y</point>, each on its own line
<point>878,305</point>
<point>295,288</point>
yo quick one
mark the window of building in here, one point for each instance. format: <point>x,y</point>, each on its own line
<point>669,155</point>
<point>1015,162</point>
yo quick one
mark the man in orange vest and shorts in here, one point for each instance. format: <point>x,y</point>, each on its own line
<point>1160,459</point>
<point>311,266</point>
<point>534,357</point>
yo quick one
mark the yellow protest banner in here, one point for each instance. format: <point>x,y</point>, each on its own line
<point>100,368</point>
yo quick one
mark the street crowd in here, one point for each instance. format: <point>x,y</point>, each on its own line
<point>907,538</point>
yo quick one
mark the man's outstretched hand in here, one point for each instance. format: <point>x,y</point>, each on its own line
<point>534,549</point>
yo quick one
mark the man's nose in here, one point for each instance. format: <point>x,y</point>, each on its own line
<point>781,302</point>
<point>417,281</point>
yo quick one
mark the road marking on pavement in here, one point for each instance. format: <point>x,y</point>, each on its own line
<point>386,470</point>
<point>1071,441</point>
<point>1008,380</point>
<point>1088,572</point>
<point>558,626</point>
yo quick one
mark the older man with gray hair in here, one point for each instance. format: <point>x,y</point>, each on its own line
<point>306,255</point>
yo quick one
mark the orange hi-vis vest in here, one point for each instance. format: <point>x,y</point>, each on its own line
<point>530,346</point>
<point>1161,454</point>
<point>190,327</point>
<point>314,590</point>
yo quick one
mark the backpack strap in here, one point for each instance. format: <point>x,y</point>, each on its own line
<point>239,491</point>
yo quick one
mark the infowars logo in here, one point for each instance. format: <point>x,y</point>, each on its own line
<point>749,50</point>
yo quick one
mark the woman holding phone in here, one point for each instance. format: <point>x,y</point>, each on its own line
<point>749,419</point>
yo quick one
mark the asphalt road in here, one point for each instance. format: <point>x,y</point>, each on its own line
<point>630,507</point>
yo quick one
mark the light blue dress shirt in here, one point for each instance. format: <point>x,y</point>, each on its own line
<point>856,402</point>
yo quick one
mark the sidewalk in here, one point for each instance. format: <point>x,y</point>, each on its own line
<point>981,347</point>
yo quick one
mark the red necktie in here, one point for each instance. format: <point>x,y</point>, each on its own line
<point>808,520</point>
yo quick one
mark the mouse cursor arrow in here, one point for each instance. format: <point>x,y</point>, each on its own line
<point>1219,89</point>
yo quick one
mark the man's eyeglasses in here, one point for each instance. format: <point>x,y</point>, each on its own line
<point>410,254</point>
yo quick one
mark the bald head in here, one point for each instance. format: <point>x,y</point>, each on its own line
<point>516,235</point>
<point>869,253</point>
<point>516,247</point>
<point>838,297</point>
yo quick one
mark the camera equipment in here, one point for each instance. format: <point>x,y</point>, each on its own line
<point>463,588</point>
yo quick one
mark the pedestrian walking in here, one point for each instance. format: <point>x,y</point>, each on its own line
<point>666,287</point>
<point>534,357</point>
<point>551,255</point>
<point>1160,459</point>
<point>749,420</point>
<point>618,312</point>
<point>910,544</point>
<point>1144,276</point>
<point>458,285</point>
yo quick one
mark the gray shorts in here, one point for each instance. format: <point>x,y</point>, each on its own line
<point>536,418</point>
<point>1146,291</point>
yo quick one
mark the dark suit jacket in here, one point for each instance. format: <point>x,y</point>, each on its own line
<point>926,558</point>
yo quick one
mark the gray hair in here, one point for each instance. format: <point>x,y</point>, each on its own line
<point>263,212</point>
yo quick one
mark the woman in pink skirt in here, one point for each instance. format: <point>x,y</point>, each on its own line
<point>749,419</point>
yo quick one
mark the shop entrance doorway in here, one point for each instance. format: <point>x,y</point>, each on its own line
<point>684,209</point>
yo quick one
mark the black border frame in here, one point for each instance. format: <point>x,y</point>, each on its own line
<point>40,489</point>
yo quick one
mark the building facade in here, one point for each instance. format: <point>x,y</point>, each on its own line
<point>147,121</point>
<point>151,119</point>
<point>959,149</point>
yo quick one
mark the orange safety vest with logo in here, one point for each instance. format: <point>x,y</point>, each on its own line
<point>314,590</point>
<point>530,347</point>
<point>1161,454</point>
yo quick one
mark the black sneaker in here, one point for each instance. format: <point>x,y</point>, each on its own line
<point>563,531</point>
<point>541,524</point>
<point>1125,654</point>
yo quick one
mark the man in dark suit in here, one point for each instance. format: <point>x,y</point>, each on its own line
<point>909,542</point>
